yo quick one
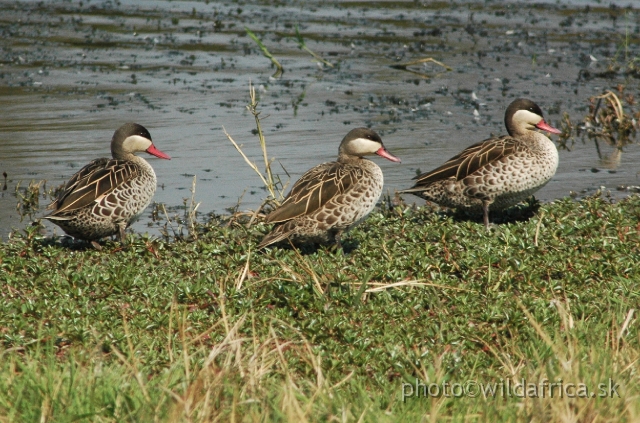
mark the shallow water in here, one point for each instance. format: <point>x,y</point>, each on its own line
<point>72,72</point>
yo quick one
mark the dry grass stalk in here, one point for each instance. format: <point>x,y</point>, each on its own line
<point>272,183</point>
<point>609,121</point>
<point>192,210</point>
<point>405,66</point>
<point>169,223</point>
<point>259,366</point>
<point>381,286</point>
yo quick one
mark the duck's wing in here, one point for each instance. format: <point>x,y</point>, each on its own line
<point>471,159</point>
<point>93,182</point>
<point>314,189</point>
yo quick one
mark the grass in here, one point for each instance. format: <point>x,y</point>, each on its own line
<point>29,198</point>
<point>427,317</point>
<point>302,45</point>
<point>211,330</point>
<point>266,53</point>
<point>629,64</point>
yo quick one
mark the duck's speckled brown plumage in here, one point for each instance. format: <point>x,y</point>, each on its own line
<point>497,172</point>
<point>106,195</point>
<point>332,197</point>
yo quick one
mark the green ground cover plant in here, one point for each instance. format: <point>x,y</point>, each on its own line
<point>211,330</point>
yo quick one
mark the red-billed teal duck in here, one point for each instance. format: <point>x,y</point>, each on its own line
<point>332,197</point>
<point>498,172</point>
<point>106,195</point>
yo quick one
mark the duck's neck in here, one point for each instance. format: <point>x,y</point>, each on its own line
<point>130,157</point>
<point>534,140</point>
<point>348,158</point>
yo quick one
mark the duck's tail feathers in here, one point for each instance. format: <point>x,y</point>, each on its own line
<point>53,217</point>
<point>279,233</point>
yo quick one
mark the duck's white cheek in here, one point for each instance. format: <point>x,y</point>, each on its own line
<point>364,146</point>
<point>526,117</point>
<point>136,143</point>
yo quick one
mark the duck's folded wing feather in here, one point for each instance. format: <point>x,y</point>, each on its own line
<point>314,189</point>
<point>92,182</point>
<point>471,159</point>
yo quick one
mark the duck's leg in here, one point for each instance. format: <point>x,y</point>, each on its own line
<point>485,211</point>
<point>338,238</point>
<point>97,246</point>
<point>121,227</point>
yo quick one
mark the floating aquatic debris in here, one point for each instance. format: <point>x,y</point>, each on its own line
<point>405,66</point>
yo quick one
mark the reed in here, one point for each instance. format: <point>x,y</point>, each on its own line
<point>266,53</point>
<point>303,46</point>
<point>272,183</point>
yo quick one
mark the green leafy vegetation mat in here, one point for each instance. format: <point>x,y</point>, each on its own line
<point>422,313</point>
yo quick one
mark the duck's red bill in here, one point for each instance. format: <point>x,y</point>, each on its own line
<point>546,127</point>
<point>382,152</point>
<point>154,151</point>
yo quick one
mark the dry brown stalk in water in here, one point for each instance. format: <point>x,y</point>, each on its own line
<point>608,120</point>
<point>272,183</point>
<point>405,66</point>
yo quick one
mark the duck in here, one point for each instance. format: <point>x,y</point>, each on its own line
<point>105,196</point>
<point>333,197</point>
<point>498,172</point>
